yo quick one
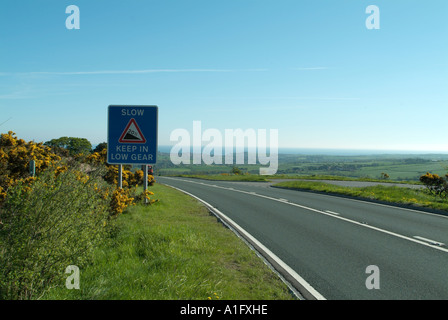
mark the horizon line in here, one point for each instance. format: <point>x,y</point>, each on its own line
<point>351,150</point>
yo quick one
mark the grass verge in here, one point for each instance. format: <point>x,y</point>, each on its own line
<point>338,178</point>
<point>174,250</point>
<point>392,194</point>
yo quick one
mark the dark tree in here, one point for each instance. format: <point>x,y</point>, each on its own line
<point>73,145</point>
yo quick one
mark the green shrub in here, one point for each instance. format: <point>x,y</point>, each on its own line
<point>44,228</point>
<point>435,184</point>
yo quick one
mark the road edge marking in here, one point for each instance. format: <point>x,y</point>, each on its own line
<point>298,283</point>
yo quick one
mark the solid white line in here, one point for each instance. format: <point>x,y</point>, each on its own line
<point>434,242</point>
<point>330,215</point>
<point>266,251</point>
<point>328,211</point>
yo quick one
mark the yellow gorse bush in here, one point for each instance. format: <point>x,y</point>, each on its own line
<point>436,184</point>
<point>60,169</point>
<point>129,178</point>
<point>97,158</point>
<point>145,197</point>
<point>121,199</point>
<point>15,157</point>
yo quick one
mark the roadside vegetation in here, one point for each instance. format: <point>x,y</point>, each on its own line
<point>56,217</point>
<point>174,250</point>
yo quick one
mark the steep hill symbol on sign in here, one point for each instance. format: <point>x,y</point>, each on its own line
<point>132,133</point>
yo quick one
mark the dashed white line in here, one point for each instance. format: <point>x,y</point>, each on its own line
<point>332,212</point>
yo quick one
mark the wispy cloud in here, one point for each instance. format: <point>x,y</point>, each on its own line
<point>323,98</point>
<point>111,72</point>
<point>144,71</point>
<point>310,68</point>
<point>30,92</point>
<point>319,98</point>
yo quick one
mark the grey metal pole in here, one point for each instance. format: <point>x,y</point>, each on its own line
<point>145,180</point>
<point>32,168</point>
<point>120,176</point>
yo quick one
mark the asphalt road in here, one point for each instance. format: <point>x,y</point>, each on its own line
<point>331,241</point>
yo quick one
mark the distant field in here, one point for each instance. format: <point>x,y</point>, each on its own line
<point>398,167</point>
<point>406,171</point>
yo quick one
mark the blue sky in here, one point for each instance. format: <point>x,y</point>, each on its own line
<point>310,69</point>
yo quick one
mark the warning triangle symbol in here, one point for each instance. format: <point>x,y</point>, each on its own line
<point>132,133</point>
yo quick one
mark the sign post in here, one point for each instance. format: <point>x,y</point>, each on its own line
<point>120,176</point>
<point>32,168</point>
<point>132,136</point>
<point>145,179</point>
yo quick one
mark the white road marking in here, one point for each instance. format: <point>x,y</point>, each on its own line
<point>433,242</point>
<point>268,252</point>
<point>329,215</point>
<point>328,211</point>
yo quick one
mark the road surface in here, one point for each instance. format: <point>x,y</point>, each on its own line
<point>331,242</point>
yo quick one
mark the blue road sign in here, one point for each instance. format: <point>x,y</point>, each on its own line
<point>132,134</point>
